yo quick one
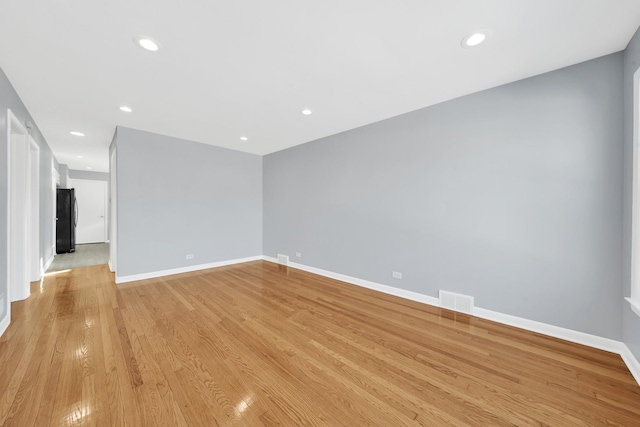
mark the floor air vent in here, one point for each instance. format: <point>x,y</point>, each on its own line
<point>283,259</point>
<point>457,302</point>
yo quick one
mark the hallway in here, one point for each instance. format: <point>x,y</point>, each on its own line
<point>84,256</point>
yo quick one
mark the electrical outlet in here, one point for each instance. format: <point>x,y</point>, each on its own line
<point>189,256</point>
<point>298,254</point>
<point>396,275</point>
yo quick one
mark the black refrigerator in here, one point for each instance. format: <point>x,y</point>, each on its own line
<point>66,221</point>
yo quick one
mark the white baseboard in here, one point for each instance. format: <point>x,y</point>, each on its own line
<point>111,268</point>
<point>414,296</point>
<point>589,340</point>
<point>631,362</point>
<point>48,263</point>
<point>577,337</point>
<point>153,274</point>
<point>4,324</point>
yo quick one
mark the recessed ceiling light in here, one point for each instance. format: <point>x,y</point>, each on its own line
<point>126,109</point>
<point>76,133</point>
<point>306,112</point>
<point>474,39</point>
<point>80,157</point>
<point>244,138</point>
<point>89,167</point>
<point>147,43</point>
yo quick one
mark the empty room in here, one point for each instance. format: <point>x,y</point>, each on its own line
<point>295,213</point>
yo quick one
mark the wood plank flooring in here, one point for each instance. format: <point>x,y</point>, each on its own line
<point>258,344</point>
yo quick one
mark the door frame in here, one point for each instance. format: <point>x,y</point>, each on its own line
<point>16,291</point>
<point>113,211</point>
<point>35,261</point>
<point>55,182</point>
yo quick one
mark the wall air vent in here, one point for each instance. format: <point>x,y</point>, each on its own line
<point>283,259</point>
<point>457,302</point>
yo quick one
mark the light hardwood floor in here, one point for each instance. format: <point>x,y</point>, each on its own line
<point>259,344</point>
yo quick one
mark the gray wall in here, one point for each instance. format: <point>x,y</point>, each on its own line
<point>178,197</point>
<point>90,175</point>
<point>10,99</point>
<point>512,195</point>
<point>631,322</point>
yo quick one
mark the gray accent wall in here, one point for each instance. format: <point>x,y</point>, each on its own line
<point>512,195</point>
<point>631,322</point>
<point>10,99</point>
<point>178,197</point>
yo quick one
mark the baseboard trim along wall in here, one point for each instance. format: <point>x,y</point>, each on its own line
<point>153,274</point>
<point>48,264</point>
<point>631,362</point>
<point>589,340</point>
<point>4,324</point>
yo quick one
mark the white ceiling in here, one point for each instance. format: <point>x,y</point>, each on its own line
<point>248,67</point>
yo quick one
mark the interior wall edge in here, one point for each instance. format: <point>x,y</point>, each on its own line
<point>630,360</point>
<point>48,264</point>
<point>4,324</point>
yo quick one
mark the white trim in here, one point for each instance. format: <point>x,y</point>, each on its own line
<point>13,124</point>
<point>7,317</point>
<point>54,208</point>
<point>414,296</point>
<point>161,273</point>
<point>33,225</point>
<point>113,211</point>
<point>48,264</point>
<point>635,200</point>
<point>5,323</point>
<point>106,211</point>
<point>577,337</point>
<point>570,335</point>
<point>631,362</point>
<point>635,305</point>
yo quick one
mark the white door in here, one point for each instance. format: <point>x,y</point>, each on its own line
<point>91,211</point>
